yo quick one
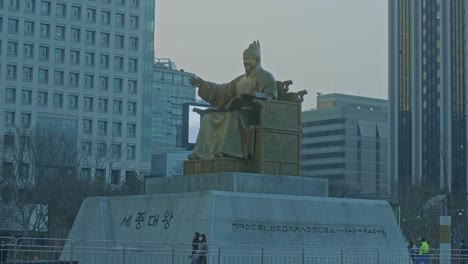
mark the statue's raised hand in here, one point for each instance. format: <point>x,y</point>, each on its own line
<point>196,81</point>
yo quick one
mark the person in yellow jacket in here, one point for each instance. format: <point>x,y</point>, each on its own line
<point>424,251</point>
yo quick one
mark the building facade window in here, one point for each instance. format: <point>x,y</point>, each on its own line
<point>25,120</point>
<point>132,108</point>
<point>59,55</point>
<point>29,28</point>
<point>115,177</point>
<point>30,6</point>
<point>119,20</point>
<point>10,95</point>
<point>85,173</point>
<point>132,65</point>
<point>105,17</point>
<point>131,130</point>
<point>76,12</point>
<point>104,40</point>
<point>43,75</point>
<point>9,118</point>
<point>27,73</point>
<point>28,51</point>
<point>119,41</point>
<point>45,30</point>
<point>26,97</point>
<point>118,63</point>
<point>59,32</point>
<point>91,15</point>
<point>102,127</point>
<point>133,22</point>
<point>87,148</point>
<point>75,34</point>
<point>74,57</point>
<point>104,61</point>
<point>130,152</point>
<point>60,10</point>
<point>117,107</point>
<point>73,102</point>
<point>43,53</point>
<point>103,83</point>
<point>118,85</point>
<point>13,5</point>
<point>58,77</point>
<point>12,48</point>
<point>89,58</point>
<point>102,149</point>
<point>11,72</point>
<point>42,98</point>
<point>88,104</point>
<point>133,43</point>
<point>89,81</point>
<point>116,129</point>
<point>57,100</point>
<point>45,8</point>
<point>90,37</point>
<point>134,3</point>
<point>132,86</point>
<point>13,25</point>
<point>74,79</point>
<point>116,151</point>
<point>100,175</point>
<point>87,126</point>
<point>102,105</point>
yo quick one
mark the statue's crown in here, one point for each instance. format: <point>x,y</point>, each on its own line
<point>253,50</point>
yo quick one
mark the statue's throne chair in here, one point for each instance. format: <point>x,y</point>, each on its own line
<point>276,143</point>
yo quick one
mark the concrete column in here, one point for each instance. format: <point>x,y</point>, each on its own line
<point>445,239</point>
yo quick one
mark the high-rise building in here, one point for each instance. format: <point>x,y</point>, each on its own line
<point>427,90</point>
<point>171,89</point>
<point>85,67</point>
<point>345,140</point>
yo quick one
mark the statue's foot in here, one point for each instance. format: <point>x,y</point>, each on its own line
<point>219,155</point>
<point>192,156</point>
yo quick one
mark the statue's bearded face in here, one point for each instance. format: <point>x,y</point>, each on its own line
<point>249,63</point>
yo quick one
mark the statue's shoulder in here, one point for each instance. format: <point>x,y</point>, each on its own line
<point>264,74</point>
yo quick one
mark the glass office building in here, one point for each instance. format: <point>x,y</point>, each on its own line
<point>427,91</point>
<point>171,89</point>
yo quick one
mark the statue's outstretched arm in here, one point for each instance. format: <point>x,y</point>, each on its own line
<point>196,81</point>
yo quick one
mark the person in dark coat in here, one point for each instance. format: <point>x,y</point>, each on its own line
<point>3,251</point>
<point>195,243</point>
<point>202,251</point>
<point>463,250</point>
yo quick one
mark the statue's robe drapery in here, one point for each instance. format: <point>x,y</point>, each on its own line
<point>227,133</point>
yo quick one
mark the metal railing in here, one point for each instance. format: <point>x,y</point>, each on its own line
<point>24,250</point>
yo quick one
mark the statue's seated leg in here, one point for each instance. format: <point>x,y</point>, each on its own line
<point>222,134</point>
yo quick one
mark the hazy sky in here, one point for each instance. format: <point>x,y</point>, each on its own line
<point>327,46</point>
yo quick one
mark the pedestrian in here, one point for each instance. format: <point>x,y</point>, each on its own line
<point>424,252</point>
<point>413,249</point>
<point>463,251</point>
<point>3,251</point>
<point>202,250</point>
<point>195,243</point>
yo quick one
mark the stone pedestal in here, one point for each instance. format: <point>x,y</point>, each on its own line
<point>238,182</point>
<point>236,220</point>
<point>243,212</point>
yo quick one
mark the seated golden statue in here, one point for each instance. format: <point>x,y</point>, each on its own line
<point>229,131</point>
